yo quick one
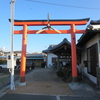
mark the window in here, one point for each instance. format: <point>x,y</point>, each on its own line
<point>54,60</point>
<point>88,58</point>
<point>92,59</point>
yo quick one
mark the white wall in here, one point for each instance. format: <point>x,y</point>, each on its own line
<point>49,59</point>
<point>87,45</point>
<point>94,40</point>
<point>92,78</point>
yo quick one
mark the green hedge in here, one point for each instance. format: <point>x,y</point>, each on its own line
<point>60,74</point>
<point>43,64</point>
<point>2,61</point>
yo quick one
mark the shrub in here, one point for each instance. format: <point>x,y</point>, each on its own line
<point>2,61</point>
<point>54,66</point>
<point>66,77</point>
<point>60,74</point>
<point>43,64</point>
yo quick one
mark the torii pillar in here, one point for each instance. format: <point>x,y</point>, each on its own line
<point>73,54</point>
<point>23,56</point>
<point>72,31</point>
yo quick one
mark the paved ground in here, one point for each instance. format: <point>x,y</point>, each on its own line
<point>44,97</point>
<point>44,81</point>
<point>43,84</point>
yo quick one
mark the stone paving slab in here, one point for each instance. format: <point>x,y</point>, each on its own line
<point>78,98</point>
<point>83,89</point>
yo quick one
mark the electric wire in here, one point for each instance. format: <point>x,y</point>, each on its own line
<point>62,5</point>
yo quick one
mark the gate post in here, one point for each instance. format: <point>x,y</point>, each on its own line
<point>73,54</point>
<point>23,57</point>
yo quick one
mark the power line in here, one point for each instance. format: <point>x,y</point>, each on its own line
<point>63,5</point>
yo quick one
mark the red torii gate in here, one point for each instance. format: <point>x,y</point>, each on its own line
<point>71,31</point>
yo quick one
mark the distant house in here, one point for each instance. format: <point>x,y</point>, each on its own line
<point>3,58</point>
<point>16,53</point>
<point>51,58</point>
<point>90,54</point>
<point>1,53</point>
<point>37,58</point>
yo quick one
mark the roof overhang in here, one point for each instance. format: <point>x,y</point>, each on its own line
<point>92,29</point>
<point>36,58</point>
<point>86,37</point>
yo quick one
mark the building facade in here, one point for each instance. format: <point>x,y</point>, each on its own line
<point>60,54</point>
<point>90,54</point>
<point>38,59</point>
<point>50,58</point>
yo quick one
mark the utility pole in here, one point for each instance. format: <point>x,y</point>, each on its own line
<point>12,87</point>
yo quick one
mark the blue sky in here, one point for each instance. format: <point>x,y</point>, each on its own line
<point>26,10</point>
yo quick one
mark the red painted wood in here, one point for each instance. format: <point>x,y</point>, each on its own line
<point>23,57</point>
<point>49,32</point>
<point>73,52</point>
<point>43,23</point>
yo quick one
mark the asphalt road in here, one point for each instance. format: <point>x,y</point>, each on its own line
<point>44,97</point>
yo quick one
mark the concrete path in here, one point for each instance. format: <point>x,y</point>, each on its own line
<point>44,81</point>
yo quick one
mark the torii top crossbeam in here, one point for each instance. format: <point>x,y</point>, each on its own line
<point>52,23</point>
<point>49,23</point>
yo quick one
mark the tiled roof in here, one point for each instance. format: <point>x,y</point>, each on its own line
<point>51,47</point>
<point>35,56</point>
<point>92,29</point>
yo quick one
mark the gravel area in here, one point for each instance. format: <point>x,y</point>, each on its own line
<point>5,78</point>
<point>44,81</point>
<point>4,81</point>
